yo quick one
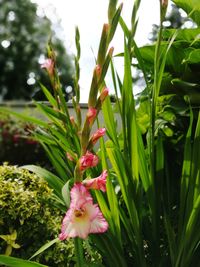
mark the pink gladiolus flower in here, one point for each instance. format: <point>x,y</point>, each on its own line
<point>91,114</point>
<point>48,65</point>
<point>83,217</point>
<point>88,160</point>
<point>98,183</point>
<point>99,133</point>
<point>104,94</point>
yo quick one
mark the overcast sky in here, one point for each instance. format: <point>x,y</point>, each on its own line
<point>89,16</point>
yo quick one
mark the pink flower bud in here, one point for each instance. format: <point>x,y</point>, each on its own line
<point>91,114</point>
<point>69,156</point>
<point>111,50</point>
<point>88,160</point>
<point>72,120</point>
<point>98,71</point>
<point>48,65</point>
<point>104,94</point>
<point>99,133</point>
<point>98,183</point>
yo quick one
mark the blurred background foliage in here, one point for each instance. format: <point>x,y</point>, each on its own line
<point>17,145</point>
<point>24,34</point>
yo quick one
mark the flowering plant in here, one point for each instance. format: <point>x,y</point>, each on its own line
<point>138,219</point>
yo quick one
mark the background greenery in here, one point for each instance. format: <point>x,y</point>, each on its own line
<point>23,39</point>
<point>17,145</point>
<point>27,207</point>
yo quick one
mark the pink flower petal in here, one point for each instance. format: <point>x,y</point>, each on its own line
<point>88,160</point>
<point>91,114</point>
<point>99,224</point>
<point>99,133</point>
<point>104,94</point>
<point>48,65</point>
<point>79,195</point>
<point>83,217</point>
<point>98,183</point>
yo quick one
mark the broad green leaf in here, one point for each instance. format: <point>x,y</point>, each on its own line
<point>15,262</point>
<point>193,57</point>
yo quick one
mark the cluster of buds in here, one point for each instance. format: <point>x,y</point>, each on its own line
<point>83,216</point>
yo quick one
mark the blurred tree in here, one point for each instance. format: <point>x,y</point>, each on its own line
<point>176,18</point>
<point>23,39</point>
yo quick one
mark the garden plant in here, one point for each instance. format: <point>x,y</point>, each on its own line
<point>134,197</point>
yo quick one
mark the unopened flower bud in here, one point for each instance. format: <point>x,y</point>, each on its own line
<point>91,114</point>
<point>104,94</point>
<point>49,66</point>
<point>98,183</point>
<point>70,157</point>
<point>98,71</point>
<point>88,160</point>
<point>99,133</point>
<point>72,120</point>
<point>110,52</point>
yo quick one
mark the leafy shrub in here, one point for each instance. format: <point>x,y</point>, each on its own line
<point>28,217</point>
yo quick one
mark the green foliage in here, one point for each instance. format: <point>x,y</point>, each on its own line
<point>152,202</point>
<point>15,262</point>
<point>27,207</point>
<point>17,145</point>
<point>24,36</point>
<point>191,7</point>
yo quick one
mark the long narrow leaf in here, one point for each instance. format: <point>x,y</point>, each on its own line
<point>44,247</point>
<point>15,262</point>
<point>54,181</point>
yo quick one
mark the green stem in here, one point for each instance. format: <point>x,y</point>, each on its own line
<point>79,252</point>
